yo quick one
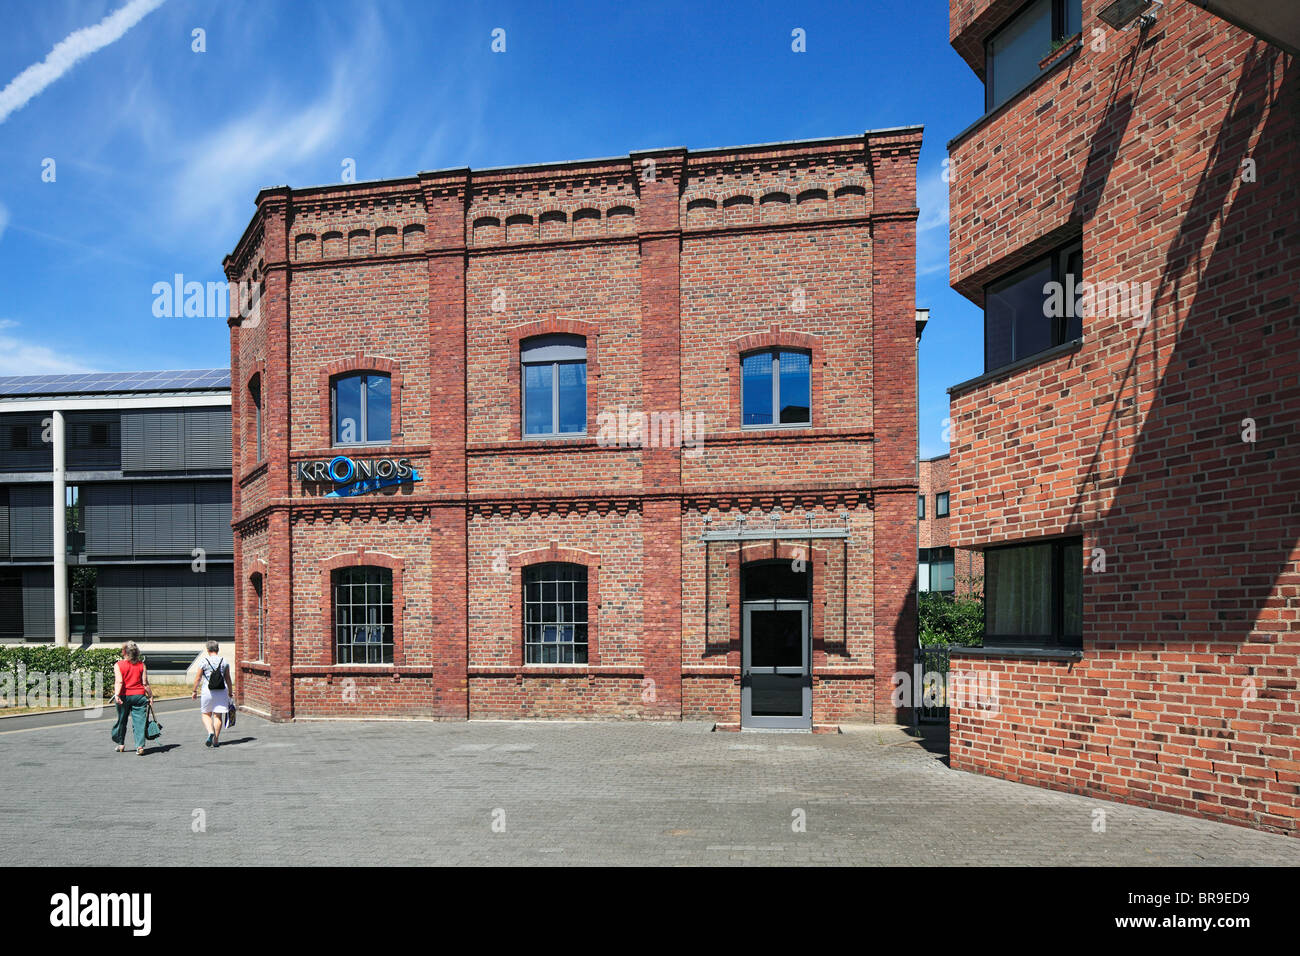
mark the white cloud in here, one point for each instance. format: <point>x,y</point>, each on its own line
<point>932,225</point>
<point>278,141</point>
<point>19,356</point>
<point>73,48</point>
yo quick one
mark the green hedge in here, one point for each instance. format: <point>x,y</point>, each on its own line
<point>47,659</point>
<point>950,620</point>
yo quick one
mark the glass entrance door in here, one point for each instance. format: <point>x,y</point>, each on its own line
<point>776,681</point>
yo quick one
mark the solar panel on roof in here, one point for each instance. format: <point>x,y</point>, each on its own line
<point>96,382</point>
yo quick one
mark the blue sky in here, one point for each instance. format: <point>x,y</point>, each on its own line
<point>159,150</point>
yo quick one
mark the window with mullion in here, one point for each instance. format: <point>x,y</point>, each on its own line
<point>363,615</point>
<point>1033,594</point>
<point>362,409</point>
<point>776,388</point>
<point>554,385</point>
<point>555,614</point>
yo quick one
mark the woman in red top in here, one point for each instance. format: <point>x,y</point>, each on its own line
<point>131,693</point>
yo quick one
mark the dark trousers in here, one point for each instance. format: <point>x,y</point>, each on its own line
<point>136,706</point>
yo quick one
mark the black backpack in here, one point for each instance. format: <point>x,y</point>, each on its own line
<point>217,680</point>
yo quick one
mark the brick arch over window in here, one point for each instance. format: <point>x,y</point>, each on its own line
<point>551,327</point>
<point>783,339</point>
<point>360,363</point>
<point>248,417</point>
<point>818,559</point>
<point>523,559</point>
<point>361,558</point>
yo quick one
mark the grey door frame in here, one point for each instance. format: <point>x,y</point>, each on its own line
<point>747,719</point>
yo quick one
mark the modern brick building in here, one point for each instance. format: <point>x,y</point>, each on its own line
<point>476,349</point>
<point>941,568</point>
<point>1129,462</point>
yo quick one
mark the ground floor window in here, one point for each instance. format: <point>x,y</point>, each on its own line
<point>935,570</point>
<point>259,589</point>
<point>363,615</point>
<point>555,614</point>
<point>83,603</point>
<point>1034,594</point>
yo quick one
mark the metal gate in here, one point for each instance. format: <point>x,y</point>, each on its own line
<point>932,662</point>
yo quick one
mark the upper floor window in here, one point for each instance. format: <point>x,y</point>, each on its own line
<point>1012,54</point>
<point>362,409</point>
<point>555,614</point>
<point>935,568</point>
<point>920,506</point>
<point>776,388</point>
<point>1034,594</point>
<point>554,385</point>
<point>941,505</point>
<point>255,397</point>
<point>363,615</point>
<point>1034,308</point>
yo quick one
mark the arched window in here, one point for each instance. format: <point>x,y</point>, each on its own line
<point>255,399</point>
<point>361,409</point>
<point>773,580</point>
<point>555,614</point>
<point>259,591</point>
<point>776,387</point>
<point>363,615</point>
<point>554,385</point>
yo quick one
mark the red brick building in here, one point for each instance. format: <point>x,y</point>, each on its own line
<point>1130,461</point>
<point>941,568</point>
<point>477,348</point>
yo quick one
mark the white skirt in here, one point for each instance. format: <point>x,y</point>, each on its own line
<point>214,701</point>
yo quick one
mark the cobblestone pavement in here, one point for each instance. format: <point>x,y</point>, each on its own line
<point>550,793</point>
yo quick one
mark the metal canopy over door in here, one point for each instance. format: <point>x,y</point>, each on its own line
<point>776,680</point>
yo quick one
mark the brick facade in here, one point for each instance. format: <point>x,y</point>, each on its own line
<point>968,564</point>
<point>1171,151</point>
<point>669,264</point>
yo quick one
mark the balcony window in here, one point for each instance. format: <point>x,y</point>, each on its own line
<point>1012,54</point>
<point>1034,594</point>
<point>1033,309</point>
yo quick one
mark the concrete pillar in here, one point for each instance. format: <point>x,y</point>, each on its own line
<point>60,528</point>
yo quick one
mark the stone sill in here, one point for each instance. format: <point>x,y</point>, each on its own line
<point>1026,652</point>
<point>1038,358</point>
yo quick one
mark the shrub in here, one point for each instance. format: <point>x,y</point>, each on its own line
<point>48,659</point>
<point>944,619</point>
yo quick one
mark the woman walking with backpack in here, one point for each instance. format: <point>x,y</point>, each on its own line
<point>218,692</point>
<point>131,694</point>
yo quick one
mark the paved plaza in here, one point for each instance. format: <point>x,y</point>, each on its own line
<point>553,793</point>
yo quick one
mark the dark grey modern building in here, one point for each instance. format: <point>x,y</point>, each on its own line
<point>140,462</point>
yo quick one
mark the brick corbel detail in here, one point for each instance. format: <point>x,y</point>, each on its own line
<point>553,326</point>
<point>554,553</point>
<point>362,558</point>
<point>776,337</point>
<point>358,363</point>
